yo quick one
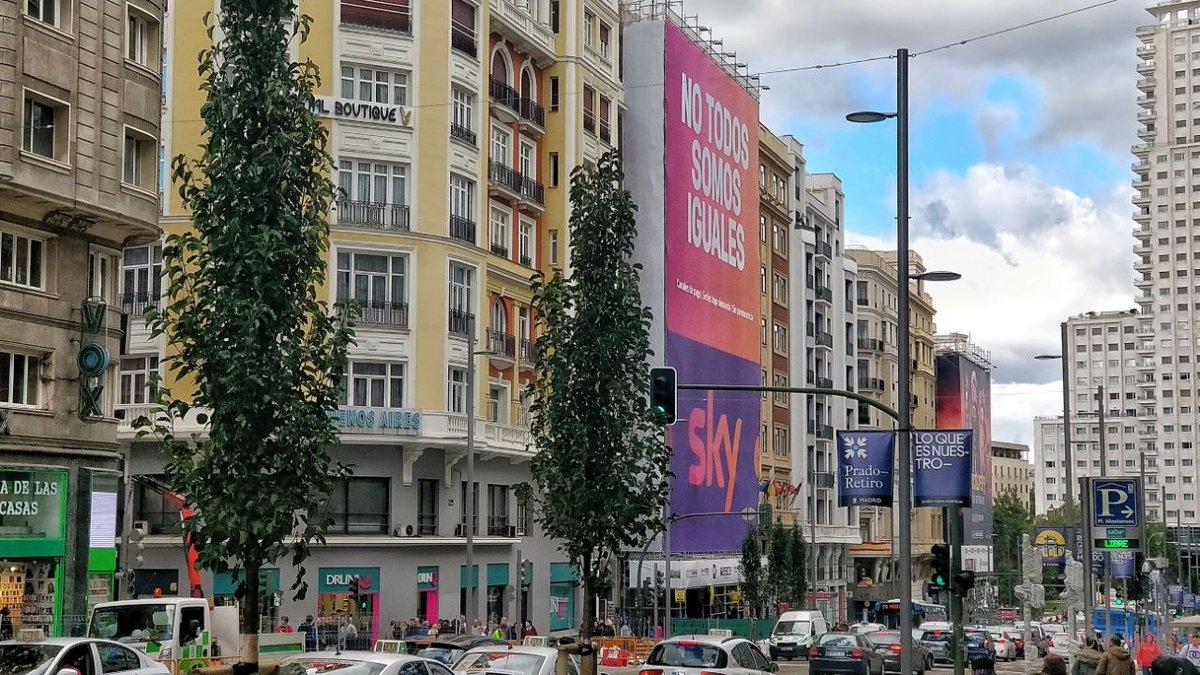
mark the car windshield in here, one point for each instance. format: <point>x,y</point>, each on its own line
<point>442,654</point>
<point>835,640</point>
<point>133,623</point>
<point>793,628</point>
<point>22,659</point>
<point>976,639</point>
<point>340,666</point>
<point>526,664</point>
<point>687,655</point>
<point>882,638</point>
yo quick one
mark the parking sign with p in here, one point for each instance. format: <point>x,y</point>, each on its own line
<point>1116,512</point>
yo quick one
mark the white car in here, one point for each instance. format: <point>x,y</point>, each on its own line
<point>513,661</point>
<point>75,656</point>
<point>1006,650</point>
<point>704,654</point>
<point>1060,643</point>
<point>867,628</point>
<point>367,663</point>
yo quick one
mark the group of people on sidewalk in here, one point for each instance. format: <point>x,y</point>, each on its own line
<point>1149,659</point>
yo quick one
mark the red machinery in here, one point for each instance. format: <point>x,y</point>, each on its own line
<point>177,501</point>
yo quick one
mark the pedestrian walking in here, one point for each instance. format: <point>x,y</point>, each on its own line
<point>1116,659</point>
<point>347,634</point>
<point>1088,658</point>
<point>1191,651</point>
<point>285,626</point>
<point>1053,664</point>
<point>529,629</point>
<point>1172,644</point>
<point>309,628</point>
<point>1147,651</point>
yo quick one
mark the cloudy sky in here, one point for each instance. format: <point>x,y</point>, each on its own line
<point>1020,155</point>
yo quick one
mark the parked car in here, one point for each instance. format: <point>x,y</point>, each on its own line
<point>850,653</point>
<point>1006,650</point>
<point>366,663</point>
<point>937,642</point>
<point>1060,643</point>
<point>794,633</point>
<point>1052,629</point>
<point>706,654</point>
<point>887,643</point>
<point>86,655</point>
<point>513,661</point>
<point>980,646</point>
<point>867,628</point>
<point>448,648</point>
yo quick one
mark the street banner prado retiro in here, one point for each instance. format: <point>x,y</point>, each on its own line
<point>865,460</point>
<point>942,467</point>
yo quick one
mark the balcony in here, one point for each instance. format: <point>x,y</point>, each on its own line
<point>1141,199</point>
<point>1147,100</point>
<point>372,215</point>
<point>824,383</point>
<point>824,249</point>
<point>824,294</point>
<point>871,344</point>
<point>506,99</point>
<point>377,313</point>
<point>504,180</point>
<point>533,116</point>
<point>499,249</point>
<point>513,19</point>
<point>533,193</point>
<point>498,527</point>
<point>461,323</point>
<point>502,345</point>
<point>389,15</point>
<point>461,133</point>
<point>1141,166</point>
<point>824,339</point>
<point>463,40</point>
<point>1146,67</point>
<point>870,384</point>
<point>136,304</point>
<point>1146,83</point>
<point>525,260</point>
<point>1146,116</point>
<point>1142,215</point>
<point>527,350</point>
<point>462,228</point>
<point>824,431</point>
<point>1140,149</point>
<point>1147,133</point>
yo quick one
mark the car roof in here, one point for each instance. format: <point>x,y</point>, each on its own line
<point>519,649</point>
<point>61,642</point>
<point>464,641</point>
<point>382,658</point>
<point>715,640</point>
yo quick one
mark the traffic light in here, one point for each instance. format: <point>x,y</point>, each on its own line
<point>663,381</point>
<point>355,597</point>
<point>963,582</point>
<point>658,578</point>
<point>941,567</point>
<point>137,534</point>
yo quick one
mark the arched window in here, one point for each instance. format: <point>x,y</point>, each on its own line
<point>528,84</point>
<point>500,66</point>
<point>499,318</point>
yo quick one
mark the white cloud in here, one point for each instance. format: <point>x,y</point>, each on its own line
<point>1031,254</point>
<point>1015,405</point>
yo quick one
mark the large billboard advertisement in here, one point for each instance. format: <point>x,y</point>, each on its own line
<point>711,291</point>
<point>964,401</point>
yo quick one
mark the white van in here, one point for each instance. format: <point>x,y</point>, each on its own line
<point>795,633</point>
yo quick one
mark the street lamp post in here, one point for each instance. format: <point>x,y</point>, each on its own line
<point>469,494</point>
<point>1066,394</point>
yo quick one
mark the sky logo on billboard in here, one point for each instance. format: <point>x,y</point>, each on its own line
<point>708,467</point>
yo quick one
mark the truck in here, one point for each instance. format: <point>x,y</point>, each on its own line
<point>183,632</point>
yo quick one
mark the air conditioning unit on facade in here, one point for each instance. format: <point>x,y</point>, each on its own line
<point>405,531</point>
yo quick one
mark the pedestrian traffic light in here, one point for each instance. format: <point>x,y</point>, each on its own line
<point>663,382</point>
<point>964,581</point>
<point>941,567</point>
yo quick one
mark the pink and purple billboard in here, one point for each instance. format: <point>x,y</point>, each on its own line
<point>711,291</point>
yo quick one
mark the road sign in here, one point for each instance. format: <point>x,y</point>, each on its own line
<point>1114,503</point>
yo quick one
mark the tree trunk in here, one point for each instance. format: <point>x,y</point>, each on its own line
<point>250,614</point>
<point>587,627</point>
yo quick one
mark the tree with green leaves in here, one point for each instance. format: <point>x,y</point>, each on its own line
<point>1011,518</point>
<point>799,569</point>
<point>779,567</point>
<point>255,357</point>
<point>602,465</point>
<point>752,573</point>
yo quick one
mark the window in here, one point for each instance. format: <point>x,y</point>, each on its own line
<point>500,220</point>
<point>463,114</point>
<point>589,109</point>
<point>462,27</point>
<point>462,500</point>
<point>462,197</point>
<point>20,382</point>
<point>427,505</point>
<point>137,39</point>
<point>527,159</point>
<point>554,94</point>
<point>115,659</point>
<point>378,282</point>
<point>498,510</point>
<point>21,260</point>
<point>359,505</point>
<point>141,277</point>
<point>553,247</point>
<point>373,385</point>
<point>461,294</point>
<point>605,123</point>
<point>501,144</point>
<point>386,14</point>
<point>526,243</point>
<point>45,11</point>
<point>373,182</point>
<point>100,267</point>
<point>456,390</point>
<point>497,403</point>
<point>374,85</point>
<point>779,288</point>
<point>44,130</point>
<point>605,40</point>
<point>136,378</point>
<point>554,169</point>
<point>589,25</point>
<point>779,340</point>
<point>779,441</point>
<point>138,161</point>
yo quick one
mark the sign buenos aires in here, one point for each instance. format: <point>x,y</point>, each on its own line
<point>865,461</point>
<point>942,467</point>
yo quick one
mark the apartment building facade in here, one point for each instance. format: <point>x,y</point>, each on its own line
<point>878,375</point>
<point>451,200</point>
<point>79,128</point>
<point>1012,472</point>
<point>1109,372</point>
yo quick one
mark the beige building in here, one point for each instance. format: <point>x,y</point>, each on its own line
<point>80,84</point>
<point>878,375</point>
<point>1013,472</point>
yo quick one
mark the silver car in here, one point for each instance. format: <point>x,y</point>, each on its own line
<point>75,656</point>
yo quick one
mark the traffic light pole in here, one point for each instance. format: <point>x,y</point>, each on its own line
<point>955,525</point>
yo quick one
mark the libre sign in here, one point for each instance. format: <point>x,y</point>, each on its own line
<point>864,473</point>
<point>942,467</point>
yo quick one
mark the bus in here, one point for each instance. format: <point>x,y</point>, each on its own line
<point>889,613</point>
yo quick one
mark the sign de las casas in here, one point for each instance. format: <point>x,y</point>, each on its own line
<point>19,497</point>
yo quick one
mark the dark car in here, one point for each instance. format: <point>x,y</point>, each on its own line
<point>887,644</point>
<point>980,649</point>
<point>937,643</point>
<point>849,653</point>
<point>447,648</point>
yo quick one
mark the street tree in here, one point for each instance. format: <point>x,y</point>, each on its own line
<point>799,569</point>
<point>1011,518</point>
<point>601,466</point>
<point>779,566</point>
<point>752,573</point>
<point>255,358</point>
